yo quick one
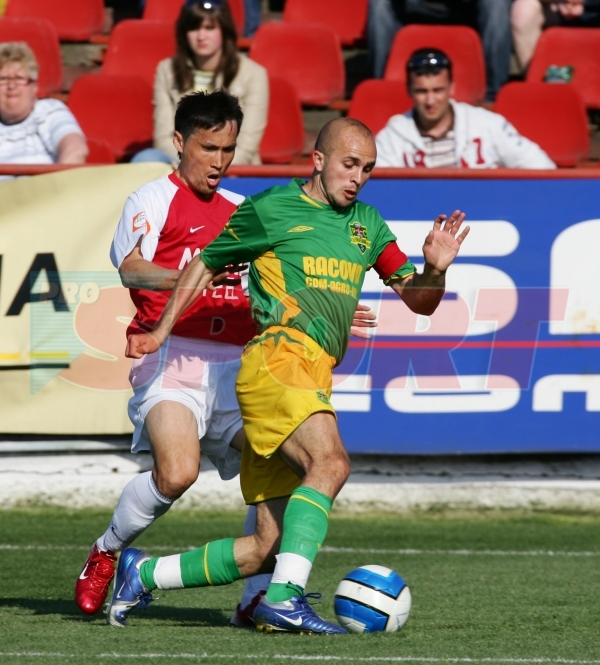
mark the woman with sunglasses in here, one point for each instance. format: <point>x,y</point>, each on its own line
<point>207,59</point>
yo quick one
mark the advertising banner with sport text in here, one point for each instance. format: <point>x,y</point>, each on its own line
<point>509,362</point>
<point>63,311</point>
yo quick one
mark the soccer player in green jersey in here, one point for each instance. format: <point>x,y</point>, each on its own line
<point>309,245</point>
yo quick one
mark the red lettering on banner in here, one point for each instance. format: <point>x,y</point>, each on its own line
<point>101,327</point>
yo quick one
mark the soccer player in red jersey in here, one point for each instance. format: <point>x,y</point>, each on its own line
<point>186,391</point>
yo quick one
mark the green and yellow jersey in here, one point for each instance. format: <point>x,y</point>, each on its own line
<point>308,260</point>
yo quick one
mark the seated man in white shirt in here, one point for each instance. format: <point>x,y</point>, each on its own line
<point>33,131</point>
<point>440,132</point>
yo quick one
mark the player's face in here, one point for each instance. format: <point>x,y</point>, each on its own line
<point>347,168</point>
<point>207,40</point>
<point>431,95</point>
<point>17,93</point>
<point>205,157</point>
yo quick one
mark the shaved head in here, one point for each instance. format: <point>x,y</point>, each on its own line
<point>334,131</point>
<point>344,157</point>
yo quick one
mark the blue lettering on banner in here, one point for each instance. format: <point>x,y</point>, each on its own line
<point>510,362</point>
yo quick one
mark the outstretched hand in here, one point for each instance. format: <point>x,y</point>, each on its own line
<point>141,345</point>
<point>443,241</point>
<point>364,317</point>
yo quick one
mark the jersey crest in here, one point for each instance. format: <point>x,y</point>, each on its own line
<point>359,236</point>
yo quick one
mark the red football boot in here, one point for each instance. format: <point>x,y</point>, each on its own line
<point>242,618</point>
<point>92,584</point>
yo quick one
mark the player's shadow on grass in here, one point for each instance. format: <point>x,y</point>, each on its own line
<point>184,616</point>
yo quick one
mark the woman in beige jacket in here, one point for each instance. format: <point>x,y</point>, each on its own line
<point>207,59</point>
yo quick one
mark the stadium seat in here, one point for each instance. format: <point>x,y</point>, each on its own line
<point>168,10</point>
<point>375,101</point>
<point>284,134</point>
<point>460,43</point>
<point>74,20</point>
<point>43,40</point>
<point>579,48</point>
<point>115,109</point>
<point>308,55</point>
<point>347,17</point>
<point>553,115</point>
<point>136,47</point>
<point>100,152</point>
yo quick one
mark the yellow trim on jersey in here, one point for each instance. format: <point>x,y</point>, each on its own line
<point>311,201</point>
<point>233,233</point>
<point>273,282</point>
<point>314,503</point>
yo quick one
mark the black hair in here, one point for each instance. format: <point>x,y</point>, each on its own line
<point>202,110</point>
<point>428,62</point>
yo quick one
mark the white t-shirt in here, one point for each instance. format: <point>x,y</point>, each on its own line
<point>35,140</point>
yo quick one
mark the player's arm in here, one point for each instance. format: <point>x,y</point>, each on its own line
<point>192,281</point>
<point>422,292</point>
<point>136,272</point>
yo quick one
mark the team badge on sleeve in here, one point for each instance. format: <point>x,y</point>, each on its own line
<point>359,236</point>
<point>139,222</point>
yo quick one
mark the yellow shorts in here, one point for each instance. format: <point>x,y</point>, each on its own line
<point>285,377</point>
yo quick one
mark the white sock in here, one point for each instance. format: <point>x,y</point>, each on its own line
<point>256,583</point>
<point>292,568</point>
<point>140,504</point>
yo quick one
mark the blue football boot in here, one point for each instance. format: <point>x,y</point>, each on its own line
<point>292,616</point>
<point>128,592</point>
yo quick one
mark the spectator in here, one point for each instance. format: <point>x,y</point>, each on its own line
<point>207,58</point>
<point>490,17</point>
<point>440,132</point>
<point>530,17</point>
<point>33,131</point>
<point>252,13</point>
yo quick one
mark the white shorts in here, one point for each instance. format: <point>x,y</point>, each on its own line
<point>201,375</point>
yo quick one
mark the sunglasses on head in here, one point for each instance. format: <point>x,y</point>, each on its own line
<point>431,60</point>
<point>204,4</point>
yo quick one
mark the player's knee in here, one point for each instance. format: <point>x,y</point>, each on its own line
<point>340,468</point>
<point>176,479</point>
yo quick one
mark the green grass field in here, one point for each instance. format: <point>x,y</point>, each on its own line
<point>485,588</point>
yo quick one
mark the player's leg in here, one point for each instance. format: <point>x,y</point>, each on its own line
<point>216,563</point>
<point>316,452</point>
<point>173,433</point>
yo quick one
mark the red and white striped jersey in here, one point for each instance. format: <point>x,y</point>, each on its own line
<point>175,226</point>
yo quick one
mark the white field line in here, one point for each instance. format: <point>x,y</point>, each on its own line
<point>280,656</point>
<point>341,550</point>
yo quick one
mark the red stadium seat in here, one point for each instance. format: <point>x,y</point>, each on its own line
<point>43,41</point>
<point>460,43</point>
<point>347,17</point>
<point>375,101</point>
<point>284,134</point>
<point>100,152</point>
<point>578,47</point>
<point>115,109</point>
<point>551,114</point>
<point>75,20</point>
<point>136,47</point>
<point>168,10</point>
<point>307,55</point>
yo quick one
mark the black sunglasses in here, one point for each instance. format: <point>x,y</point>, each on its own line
<point>431,60</point>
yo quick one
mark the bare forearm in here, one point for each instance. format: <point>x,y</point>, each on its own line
<point>192,281</point>
<point>143,274</point>
<point>72,149</point>
<point>422,292</point>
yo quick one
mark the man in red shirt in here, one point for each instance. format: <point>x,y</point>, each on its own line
<point>185,392</point>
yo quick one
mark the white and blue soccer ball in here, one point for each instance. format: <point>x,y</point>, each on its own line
<point>372,599</point>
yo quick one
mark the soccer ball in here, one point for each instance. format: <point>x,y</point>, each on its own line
<point>371,599</point>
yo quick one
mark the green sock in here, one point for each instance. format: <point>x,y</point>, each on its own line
<point>211,565</point>
<point>304,530</point>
